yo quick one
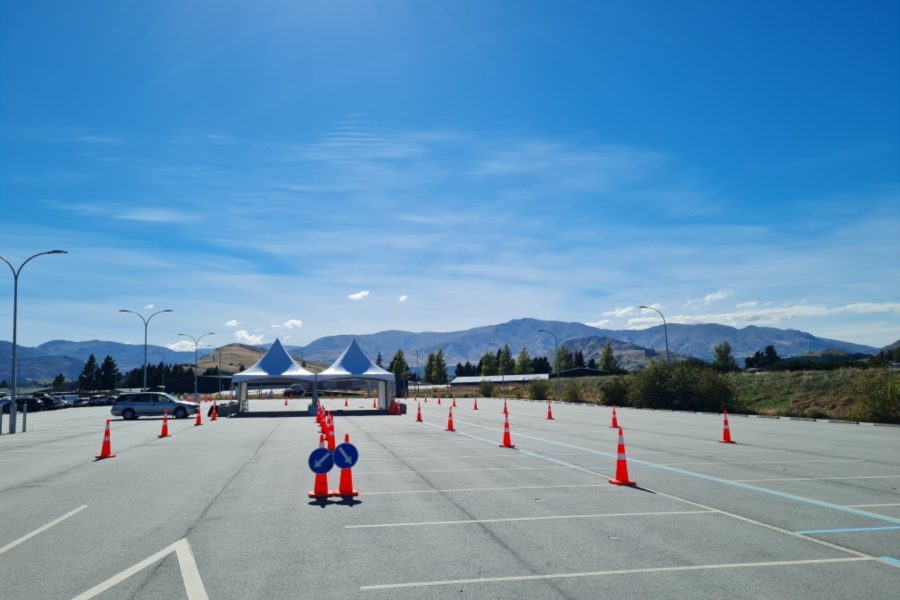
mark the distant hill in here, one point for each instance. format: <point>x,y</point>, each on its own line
<point>633,348</point>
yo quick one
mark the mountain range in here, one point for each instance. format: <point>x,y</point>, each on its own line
<point>633,348</point>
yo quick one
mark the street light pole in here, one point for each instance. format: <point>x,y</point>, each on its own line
<point>13,374</point>
<point>556,358</point>
<point>196,365</point>
<point>146,323</point>
<point>665,328</point>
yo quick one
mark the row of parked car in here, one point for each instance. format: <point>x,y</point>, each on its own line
<point>39,402</point>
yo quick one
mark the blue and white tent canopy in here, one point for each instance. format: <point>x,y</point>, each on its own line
<point>276,367</point>
<point>352,364</point>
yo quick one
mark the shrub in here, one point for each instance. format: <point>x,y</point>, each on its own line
<point>538,389</point>
<point>680,386</point>
<point>877,393</point>
<point>614,390</point>
<point>570,392</point>
<point>486,389</point>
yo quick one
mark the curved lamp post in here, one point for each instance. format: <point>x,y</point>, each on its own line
<point>556,342</point>
<point>146,323</point>
<point>12,389</point>
<point>665,328</point>
<point>196,365</point>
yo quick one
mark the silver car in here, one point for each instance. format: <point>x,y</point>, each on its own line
<point>152,404</point>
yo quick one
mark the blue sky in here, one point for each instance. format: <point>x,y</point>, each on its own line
<point>300,169</point>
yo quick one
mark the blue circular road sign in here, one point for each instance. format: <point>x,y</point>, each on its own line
<point>346,455</point>
<point>321,460</point>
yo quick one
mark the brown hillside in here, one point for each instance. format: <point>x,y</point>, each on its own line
<point>235,355</point>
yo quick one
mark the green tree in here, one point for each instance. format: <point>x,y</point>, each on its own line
<point>722,358</point>
<point>108,372</point>
<point>401,371</point>
<point>564,359</point>
<point>538,389</point>
<point>592,363</point>
<point>877,392</point>
<point>579,359</point>
<point>489,364</point>
<point>608,361</point>
<point>3,383</point>
<point>505,362</point>
<point>379,361</point>
<point>680,386</point>
<point>59,382</point>
<point>90,374</point>
<point>428,375</point>
<point>439,368</point>
<point>523,363</point>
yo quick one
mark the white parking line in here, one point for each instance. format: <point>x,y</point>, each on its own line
<point>758,462</point>
<point>491,489</point>
<point>41,529</point>
<point>747,565</point>
<point>549,518</point>
<point>872,505</point>
<point>395,472</point>
<point>817,478</point>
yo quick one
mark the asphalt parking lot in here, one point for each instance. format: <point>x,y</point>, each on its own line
<point>794,509</point>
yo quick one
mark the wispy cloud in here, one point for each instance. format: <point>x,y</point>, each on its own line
<point>602,324</point>
<point>149,306</point>
<point>774,315</point>
<point>620,312</point>
<point>232,323</point>
<point>709,299</point>
<point>359,295</point>
<point>181,346</point>
<point>403,298</point>
<point>293,324</point>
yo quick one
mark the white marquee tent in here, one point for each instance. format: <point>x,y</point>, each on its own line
<point>277,367</point>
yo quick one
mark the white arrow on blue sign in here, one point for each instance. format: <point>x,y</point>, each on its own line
<point>321,460</point>
<point>346,455</point>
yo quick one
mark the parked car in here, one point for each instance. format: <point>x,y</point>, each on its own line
<point>81,402</point>
<point>34,405</point>
<point>152,404</point>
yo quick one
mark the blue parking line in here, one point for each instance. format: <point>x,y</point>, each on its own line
<point>847,530</point>
<point>890,560</point>
<point>819,503</point>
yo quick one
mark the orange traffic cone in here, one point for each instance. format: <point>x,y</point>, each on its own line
<point>320,486</point>
<point>373,403</point>
<point>549,412</point>
<point>507,440</point>
<point>106,448</point>
<point>330,434</point>
<point>439,400</point>
<point>450,421</point>
<point>621,464</point>
<point>505,410</point>
<point>199,420</point>
<point>454,403</point>
<point>475,406</point>
<point>215,412</point>
<point>346,489</point>
<point>285,400</point>
<point>164,432</point>
<point>726,432</point>
<point>614,424</point>
<point>419,414</point>
<point>345,403</point>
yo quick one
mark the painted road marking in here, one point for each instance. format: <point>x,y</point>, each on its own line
<point>817,478</point>
<point>549,518</point>
<point>489,489</point>
<point>848,530</point>
<point>746,565</point>
<point>42,529</point>
<point>396,472</point>
<point>190,575</point>
<point>730,482</point>
<point>758,462</point>
<point>698,505</point>
<point>872,505</point>
<point>890,560</point>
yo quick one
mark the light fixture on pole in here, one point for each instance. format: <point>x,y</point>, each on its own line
<point>665,328</point>
<point>196,365</point>
<point>146,323</point>
<point>556,358</point>
<point>13,375</point>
